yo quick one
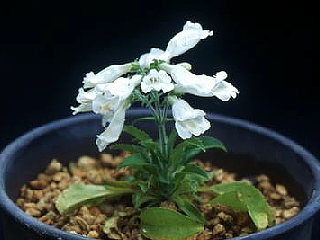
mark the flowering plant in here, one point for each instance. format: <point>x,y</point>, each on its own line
<point>162,169</point>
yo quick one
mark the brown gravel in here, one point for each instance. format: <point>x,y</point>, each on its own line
<point>38,196</point>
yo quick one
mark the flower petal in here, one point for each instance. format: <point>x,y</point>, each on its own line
<point>107,75</point>
<point>157,80</point>
<point>113,131</point>
<point>83,107</point>
<point>188,82</point>
<point>191,34</point>
<point>189,121</point>
<point>155,53</point>
<point>86,96</point>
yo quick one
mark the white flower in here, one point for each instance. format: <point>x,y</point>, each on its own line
<point>201,85</point>
<point>111,102</point>
<point>112,95</point>
<point>186,65</point>
<point>105,104</point>
<point>156,80</point>
<point>85,99</point>
<point>107,75</point>
<point>191,34</point>
<point>83,107</point>
<point>187,81</point>
<point>86,96</point>
<point>155,53</point>
<point>113,131</point>
<point>221,89</point>
<point>189,121</point>
<point>121,87</point>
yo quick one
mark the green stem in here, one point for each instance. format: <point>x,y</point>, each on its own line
<point>163,139</point>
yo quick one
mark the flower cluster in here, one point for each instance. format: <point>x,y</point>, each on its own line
<point>110,92</point>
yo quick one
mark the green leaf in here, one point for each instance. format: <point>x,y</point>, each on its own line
<point>187,149</point>
<point>194,168</point>
<point>129,148</point>
<point>257,206</point>
<point>207,143</point>
<point>211,142</point>
<point>143,138</point>
<point>172,140</point>
<point>133,160</point>
<point>137,161</point>
<point>188,208</point>
<point>140,197</point>
<point>188,182</point>
<point>136,133</point>
<point>230,199</point>
<point>165,224</point>
<point>143,119</point>
<point>78,195</point>
<point>122,184</point>
<point>179,152</point>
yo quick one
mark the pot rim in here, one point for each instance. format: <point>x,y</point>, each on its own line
<point>308,211</point>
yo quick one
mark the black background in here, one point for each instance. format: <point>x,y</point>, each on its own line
<point>264,46</point>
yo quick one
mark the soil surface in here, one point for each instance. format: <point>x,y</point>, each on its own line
<point>38,196</point>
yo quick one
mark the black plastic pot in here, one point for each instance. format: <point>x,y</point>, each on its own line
<point>251,150</point>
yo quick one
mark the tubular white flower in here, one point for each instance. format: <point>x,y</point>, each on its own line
<point>188,38</point>
<point>107,75</point>
<point>105,104</point>
<point>189,121</point>
<point>121,87</point>
<point>86,96</point>
<point>112,95</point>
<point>222,89</point>
<point>186,65</point>
<point>187,81</point>
<point>191,34</point>
<point>85,99</point>
<point>113,131</point>
<point>155,53</point>
<point>157,80</point>
<point>112,102</point>
<point>83,107</point>
<point>201,85</point>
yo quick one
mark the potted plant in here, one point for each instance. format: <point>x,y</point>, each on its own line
<point>171,195</point>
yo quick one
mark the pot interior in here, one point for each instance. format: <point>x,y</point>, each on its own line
<point>250,152</point>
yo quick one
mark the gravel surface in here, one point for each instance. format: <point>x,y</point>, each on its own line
<point>38,196</point>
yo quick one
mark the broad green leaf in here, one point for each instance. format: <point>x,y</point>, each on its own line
<point>257,206</point>
<point>136,133</point>
<point>188,208</point>
<point>78,195</point>
<point>230,199</point>
<point>165,224</point>
<point>136,161</point>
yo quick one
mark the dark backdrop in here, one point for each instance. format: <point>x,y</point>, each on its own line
<point>264,46</point>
